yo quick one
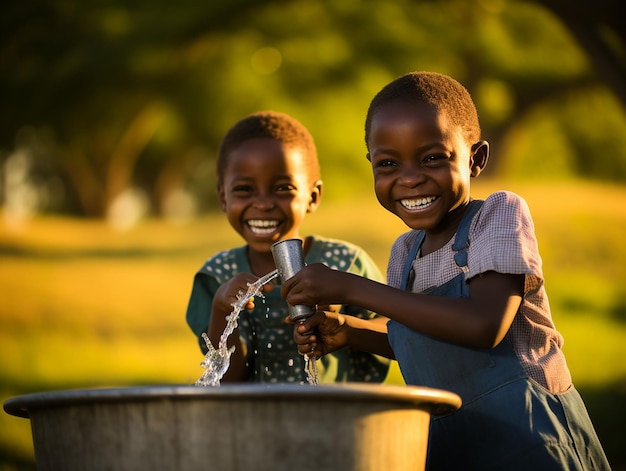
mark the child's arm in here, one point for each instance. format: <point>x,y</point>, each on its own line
<point>481,320</point>
<point>224,298</point>
<point>334,330</point>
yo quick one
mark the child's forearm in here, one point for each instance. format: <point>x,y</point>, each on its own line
<point>480,321</point>
<point>369,335</point>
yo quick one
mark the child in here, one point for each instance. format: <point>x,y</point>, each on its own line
<point>268,178</point>
<point>466,300</point>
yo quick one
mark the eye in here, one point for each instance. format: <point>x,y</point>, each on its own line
<point>385,166</point>
<point>384,162</point>
<point>285,188</point>
<point>435,159</point>
<point>241,189</point>
<point>384,158</point>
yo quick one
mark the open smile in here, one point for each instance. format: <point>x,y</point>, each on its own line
<point>263,227</point>
<point>413,204</point>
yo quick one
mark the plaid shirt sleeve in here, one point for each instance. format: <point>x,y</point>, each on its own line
<point>502,238</point>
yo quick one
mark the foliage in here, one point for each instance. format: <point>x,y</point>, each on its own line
<point>105,98</point>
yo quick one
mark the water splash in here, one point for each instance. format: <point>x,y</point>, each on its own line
<point>217,360</point>
<point>310,365</point>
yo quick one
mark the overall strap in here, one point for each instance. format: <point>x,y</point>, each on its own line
<point>461,243</point>
<point>461,240</point>
<point>408,264</point>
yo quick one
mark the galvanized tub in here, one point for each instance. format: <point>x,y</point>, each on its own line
<point>243,427</point>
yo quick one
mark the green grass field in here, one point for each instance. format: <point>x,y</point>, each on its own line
<point>82,305</point>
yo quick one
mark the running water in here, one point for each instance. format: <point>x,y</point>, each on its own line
<point>310,365</point>
<point>217,360</point>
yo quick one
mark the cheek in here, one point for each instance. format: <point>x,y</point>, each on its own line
<point>232,210</point>
<point>232,218</point>
<point>301,209</point>
<point>381,185</point>
<point>460,178</point>
<point>383,194</point>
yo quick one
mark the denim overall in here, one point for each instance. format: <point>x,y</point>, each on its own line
<point>507,420</point>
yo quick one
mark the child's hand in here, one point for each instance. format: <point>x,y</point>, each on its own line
<point>228,293</point>
<point>328,307</point>
<point>320,334</point>
<point>316,284</point>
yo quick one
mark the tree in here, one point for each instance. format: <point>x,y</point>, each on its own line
<point>599,28</point>
<point>112,96</point>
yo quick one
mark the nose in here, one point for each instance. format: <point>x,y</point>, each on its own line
<point>264,202</point>
<point>411,176</point>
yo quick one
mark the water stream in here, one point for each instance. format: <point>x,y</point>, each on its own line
<point>217,360</point>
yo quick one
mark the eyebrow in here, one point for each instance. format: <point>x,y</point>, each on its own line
<point>275,178</point>
<point>434,147</point>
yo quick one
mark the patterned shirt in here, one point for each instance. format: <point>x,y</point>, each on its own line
<point>270,352</point>
<point>501,239</point>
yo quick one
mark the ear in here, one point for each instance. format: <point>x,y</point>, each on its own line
<point>221,196</point>
<point>479,157</point>
<point>316,197</point>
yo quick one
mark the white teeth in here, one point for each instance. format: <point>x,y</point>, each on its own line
<point>419,203</point>
<point>262,226</point>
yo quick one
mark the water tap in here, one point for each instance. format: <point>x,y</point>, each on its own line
<point>289,259</point>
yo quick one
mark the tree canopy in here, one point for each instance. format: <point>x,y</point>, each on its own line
<point>105,100</point>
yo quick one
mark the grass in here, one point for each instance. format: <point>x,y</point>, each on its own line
<point>82,305</point>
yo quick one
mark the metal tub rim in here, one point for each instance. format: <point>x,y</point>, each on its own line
<point>437,401</point>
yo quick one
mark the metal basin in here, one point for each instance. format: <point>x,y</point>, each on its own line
<point>247,427</point>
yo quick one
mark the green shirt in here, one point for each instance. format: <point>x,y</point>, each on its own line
<point>271,354</point>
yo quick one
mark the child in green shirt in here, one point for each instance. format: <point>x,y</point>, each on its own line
<point>268,180</point>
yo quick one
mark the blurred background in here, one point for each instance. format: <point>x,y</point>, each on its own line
<point>112,111</point>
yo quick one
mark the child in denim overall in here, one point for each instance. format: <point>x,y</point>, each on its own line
<point>465,294</point>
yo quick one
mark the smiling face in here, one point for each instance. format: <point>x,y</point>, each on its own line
<point>422,165</point>
<point>266,192</point>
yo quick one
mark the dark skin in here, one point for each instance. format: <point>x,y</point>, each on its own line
<point>266,191</point>
<point>422,165</point>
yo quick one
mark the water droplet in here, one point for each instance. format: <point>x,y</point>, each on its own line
<point>217,360</point>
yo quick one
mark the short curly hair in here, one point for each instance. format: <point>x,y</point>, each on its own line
<point>271,125</point>
<point>441,92</point>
